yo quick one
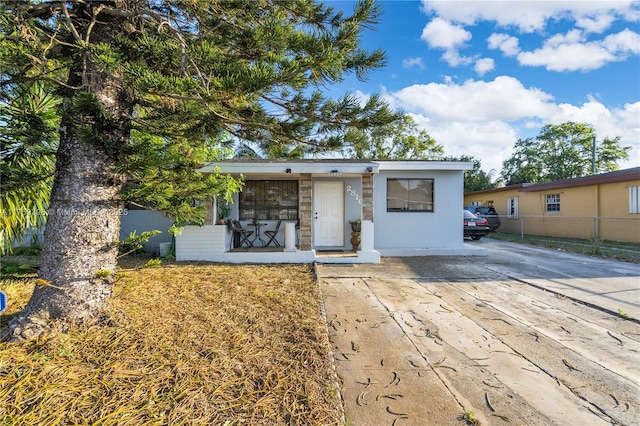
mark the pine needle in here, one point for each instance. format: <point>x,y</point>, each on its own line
<point>183,344</point>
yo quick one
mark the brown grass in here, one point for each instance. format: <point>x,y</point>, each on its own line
<point>180,345</point>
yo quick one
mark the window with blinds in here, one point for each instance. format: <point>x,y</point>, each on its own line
<point>269,200</point>
<point>414,195</point>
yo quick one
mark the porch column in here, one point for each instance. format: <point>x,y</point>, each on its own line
<point>367,230</point>
<point>211,211</point>
<point>305,211</point>
<point>367,197</point>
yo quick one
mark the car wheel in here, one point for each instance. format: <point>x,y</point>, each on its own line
<point>476,237</point>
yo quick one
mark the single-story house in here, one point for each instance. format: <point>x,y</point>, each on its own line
<point>401,208</point>
<point>605,206</point>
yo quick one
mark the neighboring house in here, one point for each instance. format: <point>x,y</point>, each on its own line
<point>131,220</point>
<point>33,237</point>
<point>604,206</point>
<point>140,220</point>
<point>405,208</point>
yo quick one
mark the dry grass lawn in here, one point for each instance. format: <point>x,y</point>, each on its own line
<point>181,344</point>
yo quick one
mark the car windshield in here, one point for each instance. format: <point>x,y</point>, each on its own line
<point>481,210</point>
<point>468,214</point>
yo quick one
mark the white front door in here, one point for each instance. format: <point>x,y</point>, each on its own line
<point>328,215</point>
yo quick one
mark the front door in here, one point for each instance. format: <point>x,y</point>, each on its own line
<point>328,198</point>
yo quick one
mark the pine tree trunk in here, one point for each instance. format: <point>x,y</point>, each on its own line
<point>79,254</point>
<point>80,242</point>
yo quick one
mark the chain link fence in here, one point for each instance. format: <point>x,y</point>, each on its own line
<point>580,227</point>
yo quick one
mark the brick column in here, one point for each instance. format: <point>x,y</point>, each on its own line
<point>305,212</point>
<point>367,197</point>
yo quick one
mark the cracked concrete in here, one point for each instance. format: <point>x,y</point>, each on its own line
<point>422,341</point>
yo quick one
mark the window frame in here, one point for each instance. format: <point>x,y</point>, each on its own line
<point>512,207</point>
<point>551,201</point>
<point>407,200</point>
<point>264,209</point>
<point>634,199</point>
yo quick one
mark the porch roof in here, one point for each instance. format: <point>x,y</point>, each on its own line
<point>312,166</point>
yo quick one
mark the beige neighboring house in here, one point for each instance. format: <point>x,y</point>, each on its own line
<point>606,206</point>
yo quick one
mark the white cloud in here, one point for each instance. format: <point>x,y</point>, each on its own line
<point>623,122</point>
<point>484,65</point>
<point>485,119</point>
<point>571,37</point>
<point>362,97</point>
<point>507,44</point>
<point>491,142</point>
<point>412,62</point>
<point>597,24</point>
<point>530,16</point>
<point>504,98</point>
<point>440,33</point>
<point>569,52</point>
<point>567,57</point>
<point>623,43</point>
<point>572,51</point>
<point>453,58</point>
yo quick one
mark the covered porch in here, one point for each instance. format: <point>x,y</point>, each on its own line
<point>306,205</point>
<point>215,243</point>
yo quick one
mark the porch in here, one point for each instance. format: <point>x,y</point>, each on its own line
<point>215,243</point>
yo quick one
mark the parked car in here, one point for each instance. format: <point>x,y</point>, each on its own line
<point>474,226</point>
<point>488,213</point>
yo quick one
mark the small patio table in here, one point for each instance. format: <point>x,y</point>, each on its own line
<point>257,225</point>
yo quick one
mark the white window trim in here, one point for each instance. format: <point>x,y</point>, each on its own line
<point>514,201</point>
<point>634,199</point>
<point>547,203</point>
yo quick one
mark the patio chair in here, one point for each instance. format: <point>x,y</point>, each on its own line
<point>272,234</point>
<point>240,234</point>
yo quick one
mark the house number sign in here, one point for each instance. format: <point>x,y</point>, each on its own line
<point>354,194</point>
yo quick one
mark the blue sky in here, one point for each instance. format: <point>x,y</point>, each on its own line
<point>479,75</point>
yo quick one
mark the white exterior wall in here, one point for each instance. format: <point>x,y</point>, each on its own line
<point>440,229</point>
<point>211,243</point>
<point>202,242</point>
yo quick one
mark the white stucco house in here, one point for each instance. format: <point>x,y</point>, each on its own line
<point>404,208</point>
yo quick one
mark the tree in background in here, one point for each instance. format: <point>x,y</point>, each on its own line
<point>397,140</point>
<point>28,141</point>
<point>475,179</point>
<point>179,76</point>
<point>562,151</point>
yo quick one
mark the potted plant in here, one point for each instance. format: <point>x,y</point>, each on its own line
<point>223,211</point>
<point>355,225</point>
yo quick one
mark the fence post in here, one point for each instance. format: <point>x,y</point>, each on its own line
<point>595,231</point>
<point>521,228</point>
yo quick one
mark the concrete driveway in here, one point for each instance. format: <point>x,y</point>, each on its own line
<point>523,336</point>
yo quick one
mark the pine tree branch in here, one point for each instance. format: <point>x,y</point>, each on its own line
<point>69,22</point>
